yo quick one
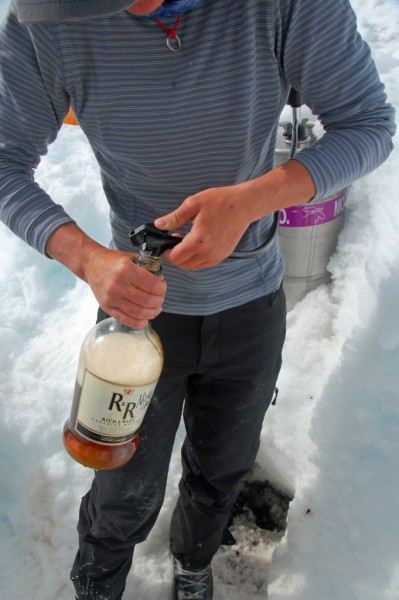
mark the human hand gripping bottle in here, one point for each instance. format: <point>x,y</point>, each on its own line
<point>117,373</point>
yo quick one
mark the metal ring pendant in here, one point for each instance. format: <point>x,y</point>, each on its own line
<point>173,43</point>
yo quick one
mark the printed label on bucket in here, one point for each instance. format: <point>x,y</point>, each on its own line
<point>308,215</point>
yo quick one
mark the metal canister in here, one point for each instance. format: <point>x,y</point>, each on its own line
<point>308,236</point>
<point>308,233</point>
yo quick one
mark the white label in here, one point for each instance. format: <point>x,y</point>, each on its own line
<point>109,413</point>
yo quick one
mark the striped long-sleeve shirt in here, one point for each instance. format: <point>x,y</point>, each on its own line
<point>164,125</point>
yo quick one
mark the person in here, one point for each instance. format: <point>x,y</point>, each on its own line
<point>180,101</point>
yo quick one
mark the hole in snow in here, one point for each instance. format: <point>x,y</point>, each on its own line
<point>261,504</point>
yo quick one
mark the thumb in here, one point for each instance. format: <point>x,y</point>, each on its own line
<point>177,218</point>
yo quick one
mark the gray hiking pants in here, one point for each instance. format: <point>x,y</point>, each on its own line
<point>220,372</point>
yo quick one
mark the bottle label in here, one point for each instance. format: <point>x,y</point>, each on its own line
<point>109,413</point>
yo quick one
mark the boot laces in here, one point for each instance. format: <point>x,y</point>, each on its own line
<point>192,584</point>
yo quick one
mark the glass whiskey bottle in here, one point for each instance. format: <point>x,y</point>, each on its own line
<point>117,373</point>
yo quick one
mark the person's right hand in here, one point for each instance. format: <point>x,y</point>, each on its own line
<point>124,290</point>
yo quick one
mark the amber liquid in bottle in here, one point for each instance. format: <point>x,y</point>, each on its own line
<point>117,374</point>
<point>118,370</point>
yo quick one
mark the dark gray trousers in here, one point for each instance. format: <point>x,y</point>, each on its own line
<point>221,371</point>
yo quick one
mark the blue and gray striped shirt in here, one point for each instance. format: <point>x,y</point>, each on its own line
<point>164,125</point>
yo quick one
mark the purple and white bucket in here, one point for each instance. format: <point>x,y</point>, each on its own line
<point>308,236</point>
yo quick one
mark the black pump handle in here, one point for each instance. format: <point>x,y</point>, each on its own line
<point>157,241</point>
<point>154,240</point>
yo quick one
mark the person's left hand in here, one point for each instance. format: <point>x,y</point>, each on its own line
<point>219,216</point>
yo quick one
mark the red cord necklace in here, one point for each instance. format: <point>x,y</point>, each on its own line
<point>172,41</point>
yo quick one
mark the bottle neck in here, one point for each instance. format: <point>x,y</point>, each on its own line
<point>148,262</point>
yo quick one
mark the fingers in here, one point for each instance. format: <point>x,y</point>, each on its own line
<point>219,218</point>
<point>124,290</point>
<point>190,257</point>
<point>137,297</point>
<point>131,314</point>
<point>134,309</point>
<point>178,218</point>
<point>209,242</point>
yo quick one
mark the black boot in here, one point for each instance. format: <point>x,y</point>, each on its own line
<point>190,584</point>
